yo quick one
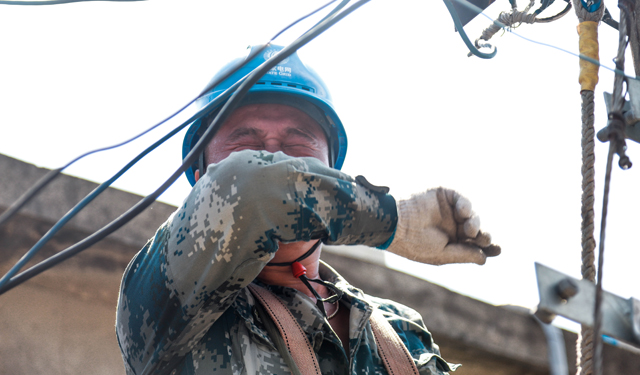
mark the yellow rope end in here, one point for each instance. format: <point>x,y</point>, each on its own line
<point>588,32</point>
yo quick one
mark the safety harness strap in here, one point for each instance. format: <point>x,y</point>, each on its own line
<point>293,335</point>
<point>395,356</point>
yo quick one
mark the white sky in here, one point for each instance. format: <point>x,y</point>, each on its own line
<point>418,112</point>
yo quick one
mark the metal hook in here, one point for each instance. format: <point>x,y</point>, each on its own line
<point>463,34</point>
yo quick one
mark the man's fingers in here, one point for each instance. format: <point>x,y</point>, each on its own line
<point>471,227</point>
<point>482,239</point>
<point>463,207</point>
<point>447,212</point>
<point>463,253</point>
<point>492,250</point>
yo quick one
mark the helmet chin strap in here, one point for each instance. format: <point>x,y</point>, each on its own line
<point>300,272</point>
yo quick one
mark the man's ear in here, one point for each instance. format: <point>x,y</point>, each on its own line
<point>197,174</point>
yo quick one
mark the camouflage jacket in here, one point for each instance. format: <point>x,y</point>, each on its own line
<point>184,307</point>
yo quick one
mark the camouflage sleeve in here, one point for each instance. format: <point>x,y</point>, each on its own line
<point>222,236</point>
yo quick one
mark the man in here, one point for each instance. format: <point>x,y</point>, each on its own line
<point>258,215</point>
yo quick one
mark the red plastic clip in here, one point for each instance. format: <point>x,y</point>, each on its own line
<point>297,269</point>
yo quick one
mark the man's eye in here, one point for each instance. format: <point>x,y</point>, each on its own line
<point>247,142</point>
<point>298,142</point>
<point>249,146</point>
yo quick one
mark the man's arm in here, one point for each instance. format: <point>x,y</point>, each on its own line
<point>226,231</point>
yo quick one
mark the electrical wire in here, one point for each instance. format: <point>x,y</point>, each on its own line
<point>191,157</point>
<point>597,324</point>
<point>51,175</point>
<point>56,2</point>
<point>543,5</point>
<point>211,85</point>
<point>556,17</point>
<point>333,11</point>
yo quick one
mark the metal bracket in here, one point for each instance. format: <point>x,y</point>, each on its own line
<point>466,14</point>
<point>620,317</point>
<point>630,112</point>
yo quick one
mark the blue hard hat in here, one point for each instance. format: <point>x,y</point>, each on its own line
<point>291,83</point>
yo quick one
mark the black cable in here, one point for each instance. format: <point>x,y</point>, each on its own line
<point>56,2</point>
<point>556,17</point>
<point>51,175</point>
<point>211,85</point>
<point>193,154</point>
<point>29,194</point>
<point>301,257</point>
<point>319,300</point>
<point>597,315</point>
<point>333,11</point>
<point>543,5</point>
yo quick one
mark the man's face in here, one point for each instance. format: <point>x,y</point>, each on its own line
<point>269,127</point>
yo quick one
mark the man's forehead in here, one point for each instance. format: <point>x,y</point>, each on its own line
<point>266,117</point>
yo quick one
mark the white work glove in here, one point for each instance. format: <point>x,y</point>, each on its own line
<point>439,227</point>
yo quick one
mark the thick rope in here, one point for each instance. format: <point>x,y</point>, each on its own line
<point>514,18</point>
<point>508,19</point>
<point>588,186</point>
<point>584,345</point>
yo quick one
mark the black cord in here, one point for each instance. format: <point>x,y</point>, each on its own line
<point>29,194</point>
<point>55,2</point>
<point>556,17</point>
<point>333,11</point>
<point>597,314</point>
<point>302,257</point>
<point>211,85</point>
<point>188,161</point>
<point>337,293</point>
<point>543,5</point>
<point>51,175</point>
<point>319,300</point>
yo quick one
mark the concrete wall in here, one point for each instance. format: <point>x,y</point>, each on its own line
<point>62,321</point>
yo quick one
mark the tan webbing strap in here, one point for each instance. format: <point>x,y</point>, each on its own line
<point>293,335</point>
<point>394,354</point>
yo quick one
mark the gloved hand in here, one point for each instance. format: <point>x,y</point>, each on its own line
<point>439,227</point>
